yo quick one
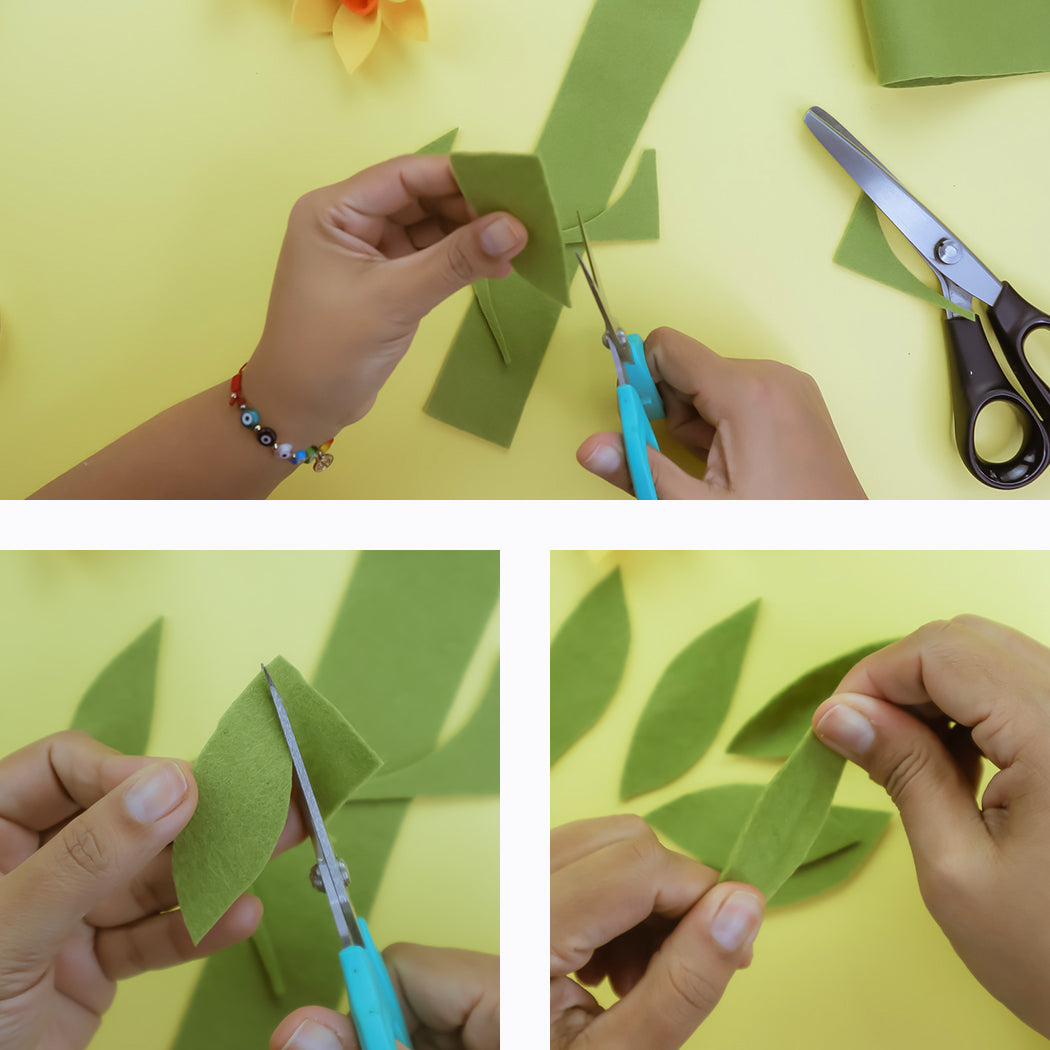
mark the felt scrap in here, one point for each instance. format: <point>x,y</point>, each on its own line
<point>865,250</point>
<point>587,659</point>
<point>117,709</point>
<point>916,42</point>
<point>244,778</point>
<point>633,216</point>
<point>442,144</point>
<point>688,705</point>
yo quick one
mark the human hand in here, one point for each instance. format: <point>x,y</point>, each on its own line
<point>761,426</point>
<point>362,262</point>
<point>917,715</point>
<point>86,885</point>
<point>654,922</point>
<point>450,1000</point>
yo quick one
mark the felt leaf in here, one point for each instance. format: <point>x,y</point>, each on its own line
<point>865,250</point>
<point>467,765</point>
<point>917,42</point>
<point>786,818</point>
<point>777,727</point>
<point>315,15</point>
<point>588,656</point>
<point>117,709</point>
<point>442,144</point>
<point>483,294</point>
<point>592,128</point>
<point>634,216</point>
<point>688,705</point>
<point>407,17</point>
<point>355,35</point>
<point>244,779</point>
<point>517,183</point>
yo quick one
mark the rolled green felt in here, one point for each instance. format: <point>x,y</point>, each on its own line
<point>244,781</point>
<point>442,144</point>
<point>688,705</point>
<point>915,42</point>
<point>587,659</point>
<point>483,296</point>
<point>633,216</point>
<point>117,708</point>
<point>786,818</point>
<point>775,730</point>
<point>517,183</point>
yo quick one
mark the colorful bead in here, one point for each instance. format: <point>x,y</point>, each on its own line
<point>249,417</point>
<point>266,436</point>
<point>299,457</point>
<point>283,450</point>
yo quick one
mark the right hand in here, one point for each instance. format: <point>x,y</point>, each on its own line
<point>917,715</point>
<point>761,426</point>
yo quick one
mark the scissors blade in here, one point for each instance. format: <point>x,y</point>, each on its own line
<point>329,868</point>
<point>609,338</point>
<point>615,339</point>
<point>942,251</point>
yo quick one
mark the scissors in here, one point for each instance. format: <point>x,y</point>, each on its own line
<point>977,378</point>
<point>635,390</point>
<point>374,1008</point>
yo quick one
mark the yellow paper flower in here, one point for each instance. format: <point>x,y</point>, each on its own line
<point>355,24</point>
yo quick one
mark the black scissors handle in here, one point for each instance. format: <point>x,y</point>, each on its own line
<point>1013,321</point>
<point>977,382</point>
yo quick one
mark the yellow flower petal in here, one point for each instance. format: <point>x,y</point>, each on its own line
<point>315,15</point>
<point>407,17</point>
<point>355,36</point>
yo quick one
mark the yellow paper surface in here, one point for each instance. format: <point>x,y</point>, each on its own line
<point>152,153</point>
<point>863,965</point>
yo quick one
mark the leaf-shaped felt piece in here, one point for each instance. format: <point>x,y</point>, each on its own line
<point>688,705</point>
<point>634,216</point>
<point>442,144</point>
<point>407,17</point>
<point>588,656</point>
<point>517,183</point>
<point>467,765</point>
<point>777,727</point>
<point>787,818</point>
<point>117,708</point>
<point>483,292</point>
<point>244,779</point>
<point>355,35</point>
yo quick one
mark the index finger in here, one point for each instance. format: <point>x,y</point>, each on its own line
<point>387,188</point>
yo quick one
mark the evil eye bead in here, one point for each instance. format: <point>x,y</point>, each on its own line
<point>266,436</point>
<point>283,450</point>
<point>249,418</point>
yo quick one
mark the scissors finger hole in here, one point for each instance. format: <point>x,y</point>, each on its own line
<point>1037,352</point>
<point>999,431</point>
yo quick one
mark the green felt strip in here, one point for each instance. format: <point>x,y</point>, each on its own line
<point>915,42</point>
<point>117,708</point>
<point>786,818</point>
<point>590,132</point>
<point>467,765</point>
<point>588,656</point>
<point>483,295</point>
<point>244,779</point>
<point>516,183</point>
<point>775,730</point>
<point>633,216</point>
<point>442,144</point>
<point>688,705</point>
<point>264,945</point>
<point>865,250</point>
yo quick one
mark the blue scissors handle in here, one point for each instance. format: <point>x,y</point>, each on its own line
<point>374,1008</point>
<point>637,436</point>
<point>636,372</point>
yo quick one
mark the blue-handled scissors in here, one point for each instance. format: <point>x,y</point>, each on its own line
<point>636,392</point>
<point>374,1008</point>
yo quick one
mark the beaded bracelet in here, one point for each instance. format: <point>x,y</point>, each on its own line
<point>267,436</point>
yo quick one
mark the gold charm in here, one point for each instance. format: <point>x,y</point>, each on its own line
<point>323,462</point>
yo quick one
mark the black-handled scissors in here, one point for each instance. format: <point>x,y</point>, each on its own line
<point>977,379</point>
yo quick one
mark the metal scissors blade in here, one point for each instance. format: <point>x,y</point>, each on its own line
<point>330,871</point>
<point>942,251</point>
<point>615,338</point>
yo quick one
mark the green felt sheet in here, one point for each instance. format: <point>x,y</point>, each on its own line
<point>786,818</point>
<point>442,144</point>
<point>517,183</point>
<point>633,216</point>
<point>486,303</point>
<point>117,708</point>
<point>468,764</point>
<point>688,705</point>
<point>595,120</point>
<point>244,779</point>
<point>271,963</point>
<point>915,42</point>
<point>865,250</point>
<point>775,730</point>
<point>587,659</point>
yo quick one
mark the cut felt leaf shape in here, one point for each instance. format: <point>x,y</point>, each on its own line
<point>442,144</point>
<point>517,183</point>
<point>688,705</point>
<point>244,780</point>
<point>117,708</point>
<point>633,216</point>
<point>587,659</point>
<point>775,730</point>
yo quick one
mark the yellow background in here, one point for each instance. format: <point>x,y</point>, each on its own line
<point>862,965</point>
<point>151,152</point>
<point>65,614</point>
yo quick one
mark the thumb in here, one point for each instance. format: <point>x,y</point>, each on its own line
<point>104,848</point>
<point>482,248</point>
<point>603,455</point>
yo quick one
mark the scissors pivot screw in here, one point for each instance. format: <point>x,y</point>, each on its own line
<point>318,883</point>
<point>948,251</point>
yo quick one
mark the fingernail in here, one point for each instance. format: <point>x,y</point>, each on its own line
<point>157,790</point>
<point>312,1036</point>
<point>846,731</point>
<point>500,237</point>
<point>605,459</point>
<point>736,923</point>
